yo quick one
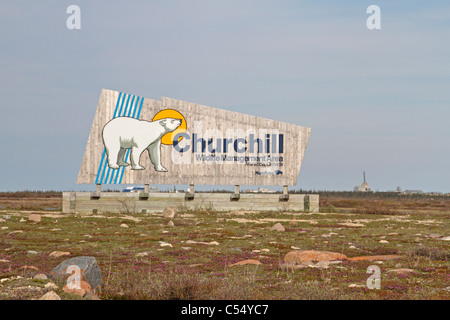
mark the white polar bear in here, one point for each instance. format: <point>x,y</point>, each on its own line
<point>123,133</point>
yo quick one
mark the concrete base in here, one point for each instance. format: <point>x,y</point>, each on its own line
<point>128,203</point>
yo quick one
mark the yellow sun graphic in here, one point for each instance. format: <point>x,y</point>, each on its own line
<point>167,139</point>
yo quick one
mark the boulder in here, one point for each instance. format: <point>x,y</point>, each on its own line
<point>277,227</point>
<point>40,276</point>
<point>35,217</point>
<point>301,256</point>
<point>90,271</point>
<point>169,212</point>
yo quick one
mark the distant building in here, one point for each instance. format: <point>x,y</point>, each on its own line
<point>412,192</point>
<point>364,187</point>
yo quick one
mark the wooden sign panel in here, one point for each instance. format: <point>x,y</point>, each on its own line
<point>135,140</point>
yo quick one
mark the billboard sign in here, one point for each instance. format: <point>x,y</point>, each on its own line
<point>135,140</point>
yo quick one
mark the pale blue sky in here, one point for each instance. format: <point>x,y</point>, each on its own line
<point>376,100</point>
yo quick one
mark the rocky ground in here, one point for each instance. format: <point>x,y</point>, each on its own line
<point>234,255</point>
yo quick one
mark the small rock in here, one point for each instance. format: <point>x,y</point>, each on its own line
<point>401,271</point>
<point>194,265</point>
<point>50,285</point>
<point>123,225</point>
<point>32,252</point>
<point>383,241</point>
<point>169,212</point>
<point>2,220</point>
<point>170,224</point>
<point>186,248</point>
<point>57,254</point>
<point>40,276</point>
<point>207,243</point>
<point>51,295</point>
<point>165,244</point>
<point>142,254</point>
<point>352,247</point>
<point>6,217</point>
<point>29,268</point>
<point>445,238</point>
<point>354,285</point>
<point>22,220</point>
<point>277,227</point>
<point>244,262</point>
<point>4,261</point>
<point>35,217</point>
<point>4,228</point>
<point>15,232</point>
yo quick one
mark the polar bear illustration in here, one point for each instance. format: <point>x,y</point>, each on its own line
<point>123,133</point>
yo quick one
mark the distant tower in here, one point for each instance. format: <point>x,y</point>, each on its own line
<point>364,187</point>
